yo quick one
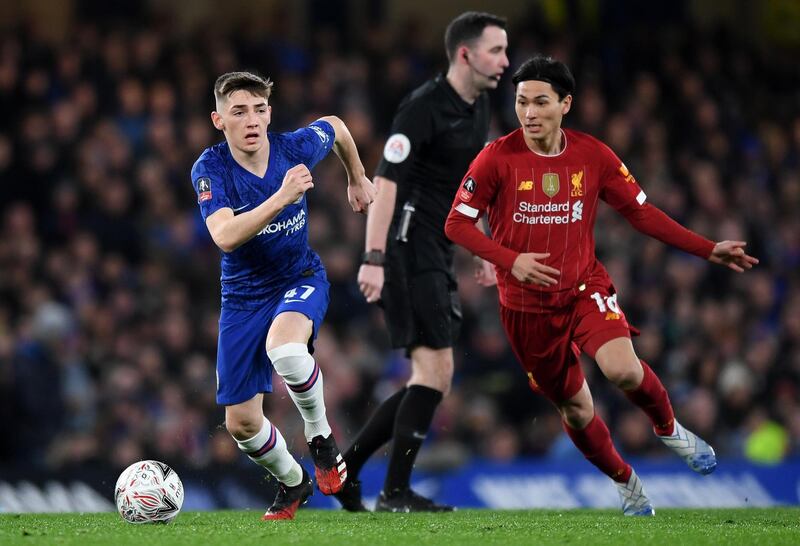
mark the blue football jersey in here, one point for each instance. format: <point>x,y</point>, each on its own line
<point>280,252</point>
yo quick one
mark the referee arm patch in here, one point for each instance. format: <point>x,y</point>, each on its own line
<point>397,148</point>
<point>466,210</point>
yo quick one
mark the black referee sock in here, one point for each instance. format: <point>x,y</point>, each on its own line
<point>413,420</point>
<point>375,433</point>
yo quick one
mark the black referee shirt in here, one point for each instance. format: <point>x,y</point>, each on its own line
<point>435,136</point>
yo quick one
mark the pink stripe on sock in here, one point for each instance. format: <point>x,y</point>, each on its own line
<point>266,447</point>
<point>303,387</point>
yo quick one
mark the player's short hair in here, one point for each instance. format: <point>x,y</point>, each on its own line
<point>467,28</point>
<point>546,69</point>
<point>235,81</point>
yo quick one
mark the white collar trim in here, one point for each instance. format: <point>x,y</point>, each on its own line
<point>563,136</point>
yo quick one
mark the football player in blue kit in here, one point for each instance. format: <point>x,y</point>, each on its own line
<point>251,191</point>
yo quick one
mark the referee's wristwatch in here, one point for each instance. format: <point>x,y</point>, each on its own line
<point>374,257</point>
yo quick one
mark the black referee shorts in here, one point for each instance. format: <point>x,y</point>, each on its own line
<point>420,293</point>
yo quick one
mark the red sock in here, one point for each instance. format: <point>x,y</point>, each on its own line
<point>652,398</point>
<point>594,441</point>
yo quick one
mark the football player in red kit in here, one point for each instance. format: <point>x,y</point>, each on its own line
<point>541,185</point>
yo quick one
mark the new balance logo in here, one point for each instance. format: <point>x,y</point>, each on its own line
<point>626,174</point>
<point>525,185</point>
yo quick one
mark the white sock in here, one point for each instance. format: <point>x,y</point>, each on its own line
<point>304,384</point>
<point>268,449</point>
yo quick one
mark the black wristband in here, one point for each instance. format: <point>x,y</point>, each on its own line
<point>373,257</point>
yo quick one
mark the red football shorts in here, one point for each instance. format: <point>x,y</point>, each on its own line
<point>548,344</point>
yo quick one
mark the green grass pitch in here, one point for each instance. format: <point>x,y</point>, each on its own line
<point>485,527</point>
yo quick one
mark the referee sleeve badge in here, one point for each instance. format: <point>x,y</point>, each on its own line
<point>397,148</point>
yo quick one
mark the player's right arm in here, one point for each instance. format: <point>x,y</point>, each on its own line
<point>230,231</point>
<point>477,190</point>
<point>412,129</point>
<point>379,217</point>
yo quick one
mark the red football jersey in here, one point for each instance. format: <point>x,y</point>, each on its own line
<point>539,203</point>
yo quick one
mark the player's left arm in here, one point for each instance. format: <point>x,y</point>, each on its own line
<point>360,189</point>
<point>731,254</point>
<point>652,221</point>
<point>622,191</point>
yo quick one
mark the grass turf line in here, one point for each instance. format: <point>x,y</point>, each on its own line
<point>772,526</point>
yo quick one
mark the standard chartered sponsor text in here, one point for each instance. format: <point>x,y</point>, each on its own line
<point>524,206</point>
<point>550,215</point>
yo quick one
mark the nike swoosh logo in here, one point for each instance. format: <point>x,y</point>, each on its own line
<point>418,436</point>
<point>242,207</point>
<point>455,124</point>
<point>291,301</point>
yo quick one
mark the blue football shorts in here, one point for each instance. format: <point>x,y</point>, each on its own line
<point>243,368</point>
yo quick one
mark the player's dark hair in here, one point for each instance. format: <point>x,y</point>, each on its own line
<point>546,69</point>
<point>468,27</point>
<point>235,81</point>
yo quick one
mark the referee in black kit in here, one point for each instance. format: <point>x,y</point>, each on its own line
<point>437,131</point>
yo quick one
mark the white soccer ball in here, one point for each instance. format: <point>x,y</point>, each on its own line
<point>148,492</point>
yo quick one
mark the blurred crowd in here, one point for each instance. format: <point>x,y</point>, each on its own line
<point>109,282</point>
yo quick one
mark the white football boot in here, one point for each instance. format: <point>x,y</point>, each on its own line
<point>634,499</point>
<point>694,450</point>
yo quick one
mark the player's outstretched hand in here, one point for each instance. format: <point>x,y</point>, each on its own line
<point>731,254</point>
<point>370,281</point>
<point>528,269</point>
<point>296,182</point>
<point>484,272</point>
<point>361,193</point>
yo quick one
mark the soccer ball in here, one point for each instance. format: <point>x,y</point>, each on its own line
<point>148,492</point>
